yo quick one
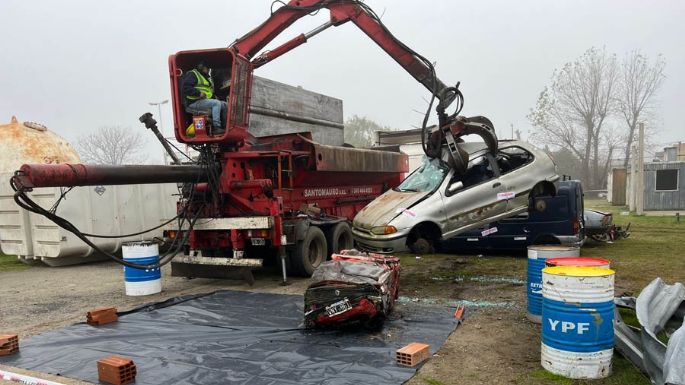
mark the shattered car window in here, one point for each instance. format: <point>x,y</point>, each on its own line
<point>511,158</point>
<point>426,178</point>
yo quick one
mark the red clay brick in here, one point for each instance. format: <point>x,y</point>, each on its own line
<point>413,354</point>
<point>9,344</point>
<point>102,316</point>
<point>116,370</point>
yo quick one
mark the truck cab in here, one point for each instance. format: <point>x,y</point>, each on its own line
<point>550,220</point>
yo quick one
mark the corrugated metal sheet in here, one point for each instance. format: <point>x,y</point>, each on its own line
<point>664,200</point>
<point>659,309</point>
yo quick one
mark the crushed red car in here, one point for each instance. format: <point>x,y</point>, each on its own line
<point>353,288</point>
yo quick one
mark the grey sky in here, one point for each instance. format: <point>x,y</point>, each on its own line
<point>75,65</point>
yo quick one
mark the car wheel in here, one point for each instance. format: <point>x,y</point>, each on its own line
<point>604,237</point>
<point>309,253</point>
<point>422,246</point>
<point>339,237</point>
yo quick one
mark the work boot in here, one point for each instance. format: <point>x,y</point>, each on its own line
<point>218,130</point>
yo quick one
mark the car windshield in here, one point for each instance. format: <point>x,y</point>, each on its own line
<point>426,178</point>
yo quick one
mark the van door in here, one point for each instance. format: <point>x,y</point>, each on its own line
<point>470,199</point>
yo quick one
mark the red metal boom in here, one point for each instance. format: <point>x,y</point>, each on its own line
<point>341,12</point>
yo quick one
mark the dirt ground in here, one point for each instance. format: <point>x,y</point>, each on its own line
<point>495,345</point>
<point>492,346</point>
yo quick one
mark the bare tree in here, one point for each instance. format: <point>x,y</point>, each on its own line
<point>573,110</point>
<point>360,131</point>
<point>611,143</point>
<point>112,145</point>
<point>638,84</point>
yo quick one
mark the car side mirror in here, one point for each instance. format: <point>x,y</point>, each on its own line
<point>454,187</point>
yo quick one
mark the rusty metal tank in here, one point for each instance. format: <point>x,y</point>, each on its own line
<point>99,210</point>
<point>30,142</point>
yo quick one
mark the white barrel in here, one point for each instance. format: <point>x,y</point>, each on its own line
<point>141,281</point>
<point>577,321</point>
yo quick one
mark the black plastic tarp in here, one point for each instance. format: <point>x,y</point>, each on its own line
<point>235,337</point>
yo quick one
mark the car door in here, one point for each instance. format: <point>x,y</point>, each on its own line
<point>470,199</point>
<point>512,163</point>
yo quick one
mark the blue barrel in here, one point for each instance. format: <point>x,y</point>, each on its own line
<point>577,321</point>
<point>537,255</point>
<point>141,281</point>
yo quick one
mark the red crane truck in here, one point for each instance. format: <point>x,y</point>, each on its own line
<point>245,197</point>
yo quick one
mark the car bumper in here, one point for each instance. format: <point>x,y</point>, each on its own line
<point>571,240</point>
<point>380,244</point>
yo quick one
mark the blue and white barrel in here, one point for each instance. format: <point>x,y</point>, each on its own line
<point>537,255</point>
<point>577,321</point>
<point>141,281</point>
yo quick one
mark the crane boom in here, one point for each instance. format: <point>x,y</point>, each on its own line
<point>241,58</point>
<point>341,11</point>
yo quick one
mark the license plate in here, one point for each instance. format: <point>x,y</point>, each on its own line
<point>258,241</point>
<point>338,307</point>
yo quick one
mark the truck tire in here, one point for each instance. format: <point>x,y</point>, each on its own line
<point>339,237</point>
<point>309,253</point>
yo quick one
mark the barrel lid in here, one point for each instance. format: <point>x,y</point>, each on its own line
<point>578,271</point>
<point>577,261</point>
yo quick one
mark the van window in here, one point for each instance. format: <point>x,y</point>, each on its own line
<point>426,178</point>
<point>511,158</point>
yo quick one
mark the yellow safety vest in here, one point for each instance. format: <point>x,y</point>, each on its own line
<point>203,85</point>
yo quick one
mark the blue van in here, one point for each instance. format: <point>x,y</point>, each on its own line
<point>550,220</point>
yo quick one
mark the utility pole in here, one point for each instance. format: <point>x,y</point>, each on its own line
<point>632,186</point>
<point>640,196</point>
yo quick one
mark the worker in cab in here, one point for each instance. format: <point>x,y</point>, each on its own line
<point>199,98</point>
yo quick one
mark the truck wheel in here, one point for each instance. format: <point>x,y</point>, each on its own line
<point>339,237</point>
<point>310,252</point>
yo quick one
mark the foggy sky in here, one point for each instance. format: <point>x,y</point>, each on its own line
<point>76,65</point>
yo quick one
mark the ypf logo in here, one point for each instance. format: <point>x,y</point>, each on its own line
<point>567,327</point>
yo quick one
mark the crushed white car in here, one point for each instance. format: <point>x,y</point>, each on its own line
<point>435,202</point>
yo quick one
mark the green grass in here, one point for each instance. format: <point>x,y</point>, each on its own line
<point>10,263</point>
<point>432,381</point>
<point>652,250</point>
<point>623,373</point>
